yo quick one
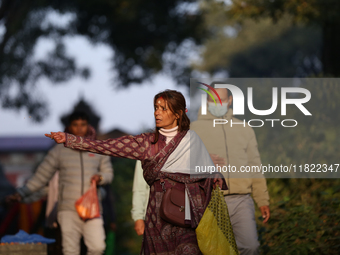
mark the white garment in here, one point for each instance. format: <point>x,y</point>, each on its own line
<point>140,194</point>
<point>73,228</point>
<point>180,161</point>
<point>190,153</point>
<point>169,133</point>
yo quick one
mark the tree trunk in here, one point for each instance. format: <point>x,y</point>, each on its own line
<point>331,49</point>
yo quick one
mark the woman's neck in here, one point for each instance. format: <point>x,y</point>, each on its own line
<point>169,133</point>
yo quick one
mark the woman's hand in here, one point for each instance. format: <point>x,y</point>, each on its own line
<point>218,181</point>
<point>58,137</point>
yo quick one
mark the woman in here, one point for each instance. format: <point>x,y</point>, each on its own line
<point>165,156</point>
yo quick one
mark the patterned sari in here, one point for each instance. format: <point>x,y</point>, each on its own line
<point>160,237</point>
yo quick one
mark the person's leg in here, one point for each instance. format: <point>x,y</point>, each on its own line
<point>54,233</point>
<point>94,236</point>
<point>242,217</point>
<point>71,227</point>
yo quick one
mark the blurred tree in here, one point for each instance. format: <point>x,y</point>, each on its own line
<point>322,13</point>
<point>140,33</point>
<point>245,47</point>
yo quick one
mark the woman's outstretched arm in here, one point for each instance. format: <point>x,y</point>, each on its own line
<point>133,147</point>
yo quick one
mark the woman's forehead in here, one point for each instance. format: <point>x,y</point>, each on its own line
<point>160,101</point>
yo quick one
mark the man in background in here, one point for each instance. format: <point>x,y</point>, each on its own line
<point>235,146</point>
<point>76,171</point>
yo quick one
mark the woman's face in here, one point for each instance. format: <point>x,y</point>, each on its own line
<point>164,116</point>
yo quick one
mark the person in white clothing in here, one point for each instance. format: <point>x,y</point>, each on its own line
<point>140,198</point>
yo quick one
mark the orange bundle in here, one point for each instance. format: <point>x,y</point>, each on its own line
<point>87,205</point>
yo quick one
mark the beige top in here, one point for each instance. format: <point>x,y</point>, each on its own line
<point>238,146</point>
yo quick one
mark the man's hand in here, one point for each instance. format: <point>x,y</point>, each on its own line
<point>59,137</point>
<point>13,198</point>
<point>265,213</point>
<point>97,178</point>
<point>217,159</point>
<point>139,227</point>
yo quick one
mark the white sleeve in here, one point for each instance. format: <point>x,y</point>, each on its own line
<point>140,194</point>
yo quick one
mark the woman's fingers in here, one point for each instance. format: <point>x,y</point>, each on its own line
<point>218,181</point>
<point>52,135</point>
<point>59,137</point>
<point>215,182</point>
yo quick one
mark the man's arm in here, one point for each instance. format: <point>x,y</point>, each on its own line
<point>140,198</point>
<point>105,170</point>
<point>36,196</point>
<point>44,173</point>
<point>259,184</point>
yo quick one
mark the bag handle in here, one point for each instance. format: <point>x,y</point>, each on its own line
<point>93,184</point>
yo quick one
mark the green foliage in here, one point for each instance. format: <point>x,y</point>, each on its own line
<point>304,217</point>
<point>320,13</point>
<point>247,47</point>
<point>307,11</point>
<point>127,241</point>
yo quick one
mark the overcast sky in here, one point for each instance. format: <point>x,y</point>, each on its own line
<point>128,109</point>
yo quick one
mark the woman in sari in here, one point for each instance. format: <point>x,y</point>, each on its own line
<point>165,155</point>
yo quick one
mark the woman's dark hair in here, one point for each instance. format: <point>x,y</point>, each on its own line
<point>177,105</point>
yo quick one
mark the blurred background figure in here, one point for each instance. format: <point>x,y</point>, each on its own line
<point>140,199</point>
<point>77,170</point>
<point>235,146</point>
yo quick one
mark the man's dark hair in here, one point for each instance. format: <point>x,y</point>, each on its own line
<point>78,116</point>
<point>217,82</point>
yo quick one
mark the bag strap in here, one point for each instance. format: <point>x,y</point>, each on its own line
<point>162,182</point>
<point>152,166</point>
